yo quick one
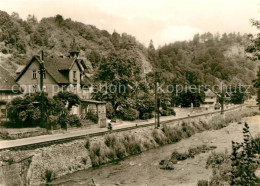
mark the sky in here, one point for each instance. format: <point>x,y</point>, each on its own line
<point>163,21</point>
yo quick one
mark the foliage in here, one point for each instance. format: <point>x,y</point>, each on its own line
<point>49,175</point>
<point>238,95</point>
<point>257,85</point>
<point>25,112</point>
<point>74,120</point>
<point>92,116</point>
<point>87,144</point>
<point>110,113</point>
<point>176,156</point>
<point>67,98</point>
<point>145,106</point>
<point>202,183</point>
<point>2,102</point>
<point>128,114</point>
<point>216,159</point>
<point>118,72</point>
<point>239,167</point>
<point>243,162</point>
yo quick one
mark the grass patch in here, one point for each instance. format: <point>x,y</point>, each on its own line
<point>49,175</point>
<point>176,156</point>
<point>87,143</point>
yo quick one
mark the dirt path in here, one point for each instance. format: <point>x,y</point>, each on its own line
<point>144,169</point>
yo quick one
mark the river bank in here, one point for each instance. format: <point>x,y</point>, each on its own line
<point>144,169</point>
<point>43,164</point>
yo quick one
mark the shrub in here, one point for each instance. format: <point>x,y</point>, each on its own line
<point>48,175</point>
<point>74,120</point>
<point>159,137</point>
<point>84,161</point>
<point>187,129</point>
<point>110,111</point>
<point>110,140</point>
<point>132,145</point>
<point>87,144</point>
<point>120,150</point>
<point>4,135</point>
<point>203,183</point>
<point>216,159</point>
<point>95,154</point>
<point>146,116</point>
<point>179,156</point>
<point>128,114</point>
<point>92,116</point>
<point>167,112</point>
<point>173,134</point>
<point>110,153</point>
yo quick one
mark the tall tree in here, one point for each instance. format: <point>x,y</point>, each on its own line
<point>117,75</point>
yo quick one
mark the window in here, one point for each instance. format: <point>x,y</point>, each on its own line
<point>34,75</point>
<point>74,74</point>
<point>3,113</point>
<point>43,73</point>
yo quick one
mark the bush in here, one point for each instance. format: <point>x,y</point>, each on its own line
<point>159,137</point>
<point>173,134</point>
<point>74,121</point>
<point>84,161</point>
<point>87,144</point>
<point>48,175</point>
<point>146,116</point>
<point>132,145</point>
<point>110,140</point>
<point>4,135</point>
<point>92,116</point>
<point>120,150</point>
<point>110,111</point>
<point>216,159</point>
<point>128,114</point>
<point>203,183</point>
<point>95,154</point>
<point>167,112</point>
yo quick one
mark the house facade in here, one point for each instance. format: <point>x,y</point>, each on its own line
<point>211,99</point>
<point>9,89</point>
<point>69,73</point>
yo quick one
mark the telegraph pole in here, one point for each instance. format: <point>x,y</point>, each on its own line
<point>222,99</point>
<point>156,103</point>
<point>155,100</point>
<point>41,88</point>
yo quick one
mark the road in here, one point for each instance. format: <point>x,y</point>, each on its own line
<point>76,134</point>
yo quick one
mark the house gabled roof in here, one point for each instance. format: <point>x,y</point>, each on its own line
<point>50,67</point>
<point>210,93</point>
<point>7,81</point>
<point>55,66</point>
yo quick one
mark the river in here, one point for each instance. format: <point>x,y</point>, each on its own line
<point>144,169</point>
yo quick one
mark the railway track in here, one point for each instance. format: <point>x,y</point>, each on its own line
<point>35,145</point>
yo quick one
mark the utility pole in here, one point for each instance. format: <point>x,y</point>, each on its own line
<point>158,112</point>
<point>157,103</point>
<point>222,99</point>
<point>155,100</point>
<point>41,87</point>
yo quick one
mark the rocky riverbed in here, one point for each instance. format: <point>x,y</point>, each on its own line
<point>144,169</point>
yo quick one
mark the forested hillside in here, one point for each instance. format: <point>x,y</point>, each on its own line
<point>206,60</point>
<point>54,35</point>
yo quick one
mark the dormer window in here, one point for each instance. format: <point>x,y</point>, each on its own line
<point>34,74</point>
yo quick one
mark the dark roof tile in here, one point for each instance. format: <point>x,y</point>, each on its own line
<point>7,82</point>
